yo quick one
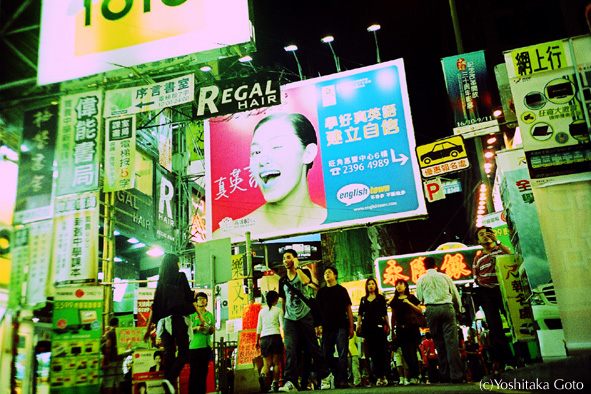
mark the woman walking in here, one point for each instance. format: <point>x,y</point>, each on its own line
<point>373,324</point>
<point>408,334</point>
<point>171,310</point>
<point>269,341</point>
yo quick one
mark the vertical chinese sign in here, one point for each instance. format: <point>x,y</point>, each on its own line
<point>79,142</point>
<point>75,346</point>
<point>466,80</point>
<point>76,239</point>
<point>144,297</point>
<point>35,174</point>
<point>119,154</point>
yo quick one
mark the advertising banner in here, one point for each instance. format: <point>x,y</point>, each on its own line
<point>456,263</point>
<point>237,95</point>
<point>35,169</point>
<point>148,371</point>
<point>79,143</point>
<point>20,256</point>
<point>144,297</point>
<point>38,261</point>
<point>75,241</point>
<point>119,154</point>
<point>88,37</point>
<point>443,157</point>
<point>152,97</point>
<point>552,103</point>
<point>130,338</point>
<point>338,151</point>
<point>75,346</point>
<point>466,80</point>
<point>236,298</point>
<point>166,212</point>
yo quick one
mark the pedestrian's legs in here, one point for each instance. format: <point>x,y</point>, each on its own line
<point>199,362</point>
<point>329,341</point>
<point>308,336</point>
<point>492,304</point>
<point>343,352</point>
<point>356,372</point>
<point>434,322</point>
<point>450,336</point>
<point>291,351</point>
<point>409,350</point>
<point>180,335</point>
<point>169,345</point>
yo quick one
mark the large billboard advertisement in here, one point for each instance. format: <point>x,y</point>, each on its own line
<point>81,38</point>
<point>338,151</point>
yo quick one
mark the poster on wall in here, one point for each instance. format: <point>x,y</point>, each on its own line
<point>35,169</point>
<point>144,297</point>
<point>338,151</point>
<point>75,243</point>
<point>75,345</point>
<point>79,142</point>
<point>119,154</point>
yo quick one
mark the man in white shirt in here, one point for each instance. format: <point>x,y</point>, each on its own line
<point>439,294</point>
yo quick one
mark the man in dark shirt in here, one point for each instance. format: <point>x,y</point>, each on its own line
<point>337,325</point>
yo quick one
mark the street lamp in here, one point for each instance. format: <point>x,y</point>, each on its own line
<point>328,40</point>
<point>247,59</point>
<point>373,29</point>
<point>293,48</point>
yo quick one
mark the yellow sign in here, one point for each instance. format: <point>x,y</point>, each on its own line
<point>443,156</point>
<point>539,58</point>
<point>356,290</point>
<point>236,298</point>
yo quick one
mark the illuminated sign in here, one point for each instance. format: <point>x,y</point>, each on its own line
<point>338,151</point>
<point>86,37</point>
<point>539,58</point>
<point>442,157</point>
<point>237,95</point>
<point>456,263</point>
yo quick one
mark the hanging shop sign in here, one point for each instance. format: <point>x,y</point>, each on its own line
<point>237,95</point>
<point>89,37</point>
<point>443,157</point>
<point>338,151</point>
<point>79,143</point>
<point>152,97</point>
<point>35,170</point>
<point>144,297</point>
<point>451,186</point>
<point>456,263</point>
<point>552,103</point>
<point>75,242</point>
<point>75,345</point>
<point>434,190</point>
<point>119,154</point>
<point>466,80</point>
<point>166,210</point>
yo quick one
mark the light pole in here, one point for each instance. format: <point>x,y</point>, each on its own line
<point>373,29</point>
<point>328,40</point>
<point>293,48</point>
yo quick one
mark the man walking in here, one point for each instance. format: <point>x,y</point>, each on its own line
<point>299,324</point>
<point>488,294</point>
<point>337,326</point>
<point>439,294</point>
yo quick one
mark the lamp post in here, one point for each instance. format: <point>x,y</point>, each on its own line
<point>328,40</point>
<point>373,29</point>
<point>293,48</point>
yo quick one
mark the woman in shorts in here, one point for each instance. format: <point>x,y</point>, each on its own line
<point>269,340</point>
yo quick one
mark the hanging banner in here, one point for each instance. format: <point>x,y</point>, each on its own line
<point>166,210</point>
<point>75,345</point>
<point>551,105</point>
<point>237,299</point>
<point>337,152</point>
<point>456,263</point>
<point>119,154</point>
<point>164,135</point>
<point>144,297</point>
<point>39,261</point>
<point>466,80</point>
<point>152,97</point>
<point>76,239</point>
<point>79,143</point>
<point>20,256</point>
<point>229,96</point>
<point>35,169</point>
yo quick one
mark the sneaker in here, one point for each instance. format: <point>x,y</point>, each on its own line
<point>168,387</point>
<point>382,382</point>
<point>326,383</point>
<point>287,387</point>
<point>413,381</point>
<point>263,383</point>
<point>406,382</point>
<point>401,381</point>
<point>275,386</point>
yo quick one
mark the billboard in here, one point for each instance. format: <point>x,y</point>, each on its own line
<point>338,151</point>
<point>81,38</point>
<point>456,263</point>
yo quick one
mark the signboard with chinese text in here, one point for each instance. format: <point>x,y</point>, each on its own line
<point>357,166</point>
<point>247,349</point>
<point>79,143</point>
<point>119,154</point>
<point>539,58</point>
<point>456,263</point>
<point>144,297</point>
<point>451,186</point>
<point>39,261</point>
<point>88,37</point>
<point>237,95</point>
<point>35,169</point>
<point>236,298</point>
<point>466,80</point>
<point>442,157</point>
<point>148,371</point>
<point>550,105</point>
<point>130,338</point>
<point>20,246</point>
<point>152,97</point>
<point>75,241</point>
<point>75,345</point>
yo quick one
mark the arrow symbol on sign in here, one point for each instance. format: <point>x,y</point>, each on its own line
<point>402,158</point>
<point>140,105</point>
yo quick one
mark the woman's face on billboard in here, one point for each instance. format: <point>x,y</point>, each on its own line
<point>278,159</point>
